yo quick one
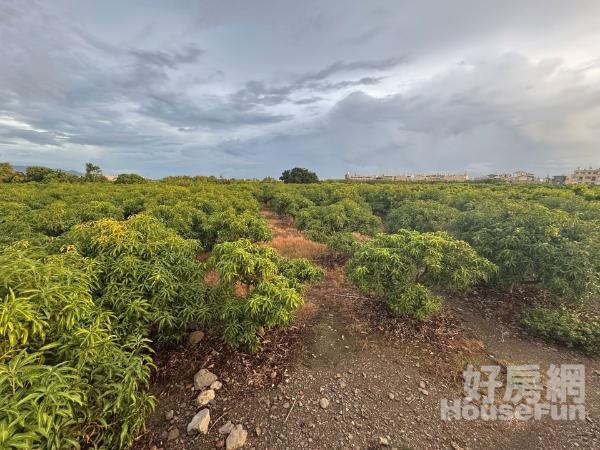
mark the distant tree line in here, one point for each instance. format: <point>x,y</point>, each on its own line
<point>41,174</point>
<point>93,174</point>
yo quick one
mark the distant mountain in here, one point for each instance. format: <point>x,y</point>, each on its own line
<point>72,172</point>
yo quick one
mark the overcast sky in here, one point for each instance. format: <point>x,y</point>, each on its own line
<point>249,88</point>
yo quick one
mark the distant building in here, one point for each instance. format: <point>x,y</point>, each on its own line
<point>589,176</point>
<point>558,179</point>
<point>498,176</point>
<point>520,176</point>
<point>111,178</point>
<point>444,177</point>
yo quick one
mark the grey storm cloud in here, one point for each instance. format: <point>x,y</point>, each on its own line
<point>344,67</point>
<point>249,89</point>
<point>32,136</point>
<point>177,110</point>
<point>187,55</point>
<point>256,92</point>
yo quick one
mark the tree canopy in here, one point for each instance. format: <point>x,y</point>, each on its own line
<point>7,173</point>
<point>93,173</point>
<point>299,175</point>
<point>130,178</point>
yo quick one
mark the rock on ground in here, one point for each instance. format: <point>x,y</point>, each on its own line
<point>205,397</point>
<point>195,337</point>
<point>203,379</point>
<point>226,429</point>
<point>173,434</point>
<point>237,438</point>
<point>199,422</point>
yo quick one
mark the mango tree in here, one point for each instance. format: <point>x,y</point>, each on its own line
<point>406,267</point>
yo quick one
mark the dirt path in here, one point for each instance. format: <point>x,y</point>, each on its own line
<point>369,365</point>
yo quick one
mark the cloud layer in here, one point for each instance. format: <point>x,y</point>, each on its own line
<point>247,90</point>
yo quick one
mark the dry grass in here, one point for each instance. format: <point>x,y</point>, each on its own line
<point>298,247</point>
<point>211,278</point>
<point>361,237</point>
<point>290,242</point>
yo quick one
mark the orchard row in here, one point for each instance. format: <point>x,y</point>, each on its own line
<point>96,275</point>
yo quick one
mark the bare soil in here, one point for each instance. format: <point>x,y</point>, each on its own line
<point>350,349</point>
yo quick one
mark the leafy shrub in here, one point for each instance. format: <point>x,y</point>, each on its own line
<point>382,198</point>
<point>421,215</point>
<point>130,178</point>
<point>8,174</point>
<point>181,217</point>
<point>59,216</point>
<point>563,325</point>
<point>345,215</point>
<point>46,175</point>
<point>404,267</point>
<point>96,210</point>
<point>133,206</point>
<point>299,271</point>
<point>229,225</point>
<point>270,290</point>
<point>343,243</point>
<point>55,219</point>
<point>13,223</point>
<point>534,245</point>
<point>327,194</point>
<point>289,203</point>
<point>147,274</point>
<point>66,380</point>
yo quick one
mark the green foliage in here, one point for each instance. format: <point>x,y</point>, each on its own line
<point>345,215</point>
<point>404,267</point>
<point>299,175</point>
<point>243,261</point>
<point>136,279</point>
<point>130,178</point>
<point>147,274</point>
<point>534,245</point>
<point>182,217</point>
<point>133,206</point>
<point>107,266</point>
<point>65,379</point>
<point>46,175</point>
<point>289,203</point>
<point>343,243</point>
<point>257,290</point>
<point>8,174</point>
<point>59,216</point>
<point>93,173</point>
<point>569,327</point>
<point>414,300</point>
<point>421,215</point>
<point>55,219</point>
<point>299,271</point>
<point>229,225</point>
